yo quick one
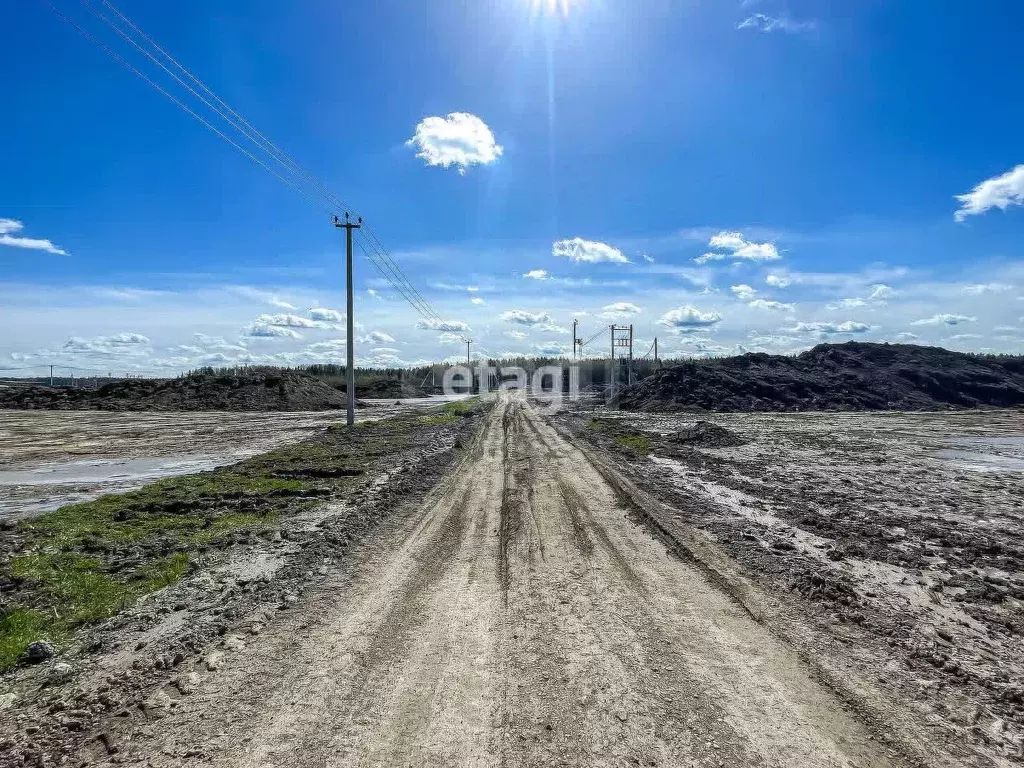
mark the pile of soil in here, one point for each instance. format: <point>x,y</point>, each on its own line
<point>855,376</point>
<point>247,391</point>
<point>704,434</point>
<point>385,389</point>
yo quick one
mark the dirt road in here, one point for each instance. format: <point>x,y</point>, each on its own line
<point>522,619</point>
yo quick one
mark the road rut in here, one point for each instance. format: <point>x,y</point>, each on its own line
<point>523,619</point>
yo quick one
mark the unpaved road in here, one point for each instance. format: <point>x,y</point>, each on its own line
<point>522,619</point>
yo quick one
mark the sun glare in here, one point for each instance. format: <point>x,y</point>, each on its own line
<point>561,7</point>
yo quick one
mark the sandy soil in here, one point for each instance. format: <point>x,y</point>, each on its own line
<point>520,618</point>
<point>52,458</point>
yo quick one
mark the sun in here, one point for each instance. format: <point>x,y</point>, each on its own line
<point>561,7</point>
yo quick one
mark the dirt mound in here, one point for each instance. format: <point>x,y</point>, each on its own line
<point>247,391</point>
<point>854,376</point>
<point>704,434</point>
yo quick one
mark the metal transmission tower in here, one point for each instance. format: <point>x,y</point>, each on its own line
<point>350,354</point>
<point>622,336</point>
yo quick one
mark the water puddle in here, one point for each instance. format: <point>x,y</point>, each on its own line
<point>985,454</point>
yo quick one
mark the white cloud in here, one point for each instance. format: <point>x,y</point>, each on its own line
<point>550,348</point>
<point>8,230</point>
<point>733,245</point>
<point>766,24</point>
<point>944,318</point>
<point>689,317</point>
<point>373,294</point>
<point>743,292</point>
<point>378,337</point>
<point>477,300</point>
<point>831,329</point>
<point>522,317</point>
<point>108,346</point>
<point>285,320</point>
<point>619,310</point>
<point>460,139</point>
<point>515,334</point>
<point>998,192</point>
<point>323,314</point>
<point>852,303</point>
<point>587,251</point>
<point>450,338</point>
<point>648,259</point>
<point>537,274</point>
<point>775,306</point>
<point>907,336</point>
<point>880,292</point>
<point>260,330</point>
<point>965,336</point>
<point>980,288</point>
<point>452,326</point>
<point>778,281</point>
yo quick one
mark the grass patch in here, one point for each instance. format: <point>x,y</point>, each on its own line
<point>17,629</point>
<point>459,407</point>
<point>443,418</point>
<point>638,443</point>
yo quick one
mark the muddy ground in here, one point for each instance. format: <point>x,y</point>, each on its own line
<point>227,552</point>
<point>51,458</point>
<point>896,541</point>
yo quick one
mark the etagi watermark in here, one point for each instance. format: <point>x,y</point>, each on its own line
<point>549,385</point>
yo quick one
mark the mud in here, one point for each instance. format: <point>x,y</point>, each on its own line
<point>51,458</point>
<point>899,535</point>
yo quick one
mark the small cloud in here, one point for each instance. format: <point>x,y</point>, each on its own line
<point>980,288</point>
<point>323,314</point>
<point>515,334</point>
<point>460,139</point>
<point>831,329</point>
<point>944,318</point>
<point>998,192</point>
<point>620,310</point>
<point>587,251</point>
<point>373,294</point>
<point>108,346</point>
<point>764,23</point>
<point>736,246</point>
<point>907,336</point>
<point>550,348</point>
<point>378,337</point>
<point>452,326</point>
<point>743,292</point>
<point>522,317</point>
<point>965,337</point>
<point>775,306</point>
<point>450,338</point>
<point>477,300</point>
<point>537,274</point>
<point>778,281</point>
<point>8,236</point>
<point>264,331</point>
<point>689,317</point>
<point>648,259</point>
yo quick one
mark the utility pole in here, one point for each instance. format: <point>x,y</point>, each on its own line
<point>629,370</point>
<point>51,375</point>
<point>469,366</point>
<point>350,352</point>
<point>656,352</point>
<point>574,324</point>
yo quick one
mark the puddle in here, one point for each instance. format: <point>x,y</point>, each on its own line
<point>985,454</point>
<point>99,471</point>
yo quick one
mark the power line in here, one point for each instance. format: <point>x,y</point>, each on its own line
<point>298,178</point>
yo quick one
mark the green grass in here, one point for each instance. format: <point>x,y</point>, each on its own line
<point>78,591</point>
<point>443,418</point>
<point>19,628</point>
<point>459,407</point>
<point>638,443</point>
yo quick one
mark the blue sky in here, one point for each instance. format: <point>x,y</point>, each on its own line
<point>598,151</point>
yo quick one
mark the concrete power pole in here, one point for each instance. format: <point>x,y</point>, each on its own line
<point>51,375</point>
<point>629,370</point>
<point>350,353</point>
<point>574,324</point>
<point>655,351</point>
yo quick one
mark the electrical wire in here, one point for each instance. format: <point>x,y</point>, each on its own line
<point>298,179</point>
